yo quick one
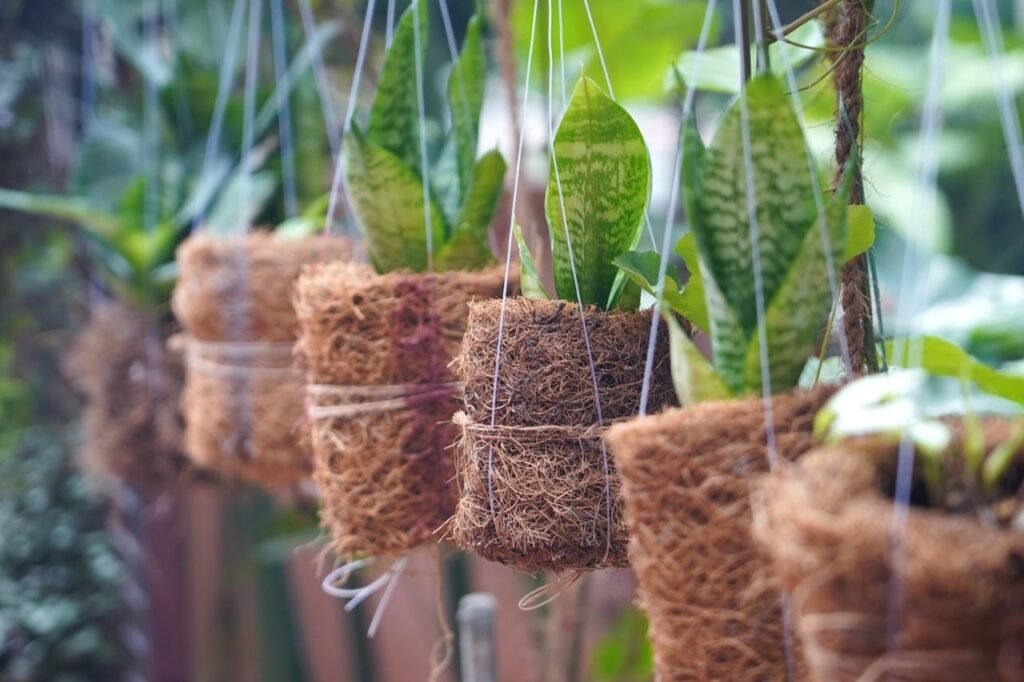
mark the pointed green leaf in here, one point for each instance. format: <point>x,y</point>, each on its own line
<point>601,176</point>
<point>692,301</point>
<point>694,378</point>
<point>481,199</point>
<point>529,280</point>
<point>75,209</point>
<point>444,181</point>
<point>860,231</point>
<point>783,192</point>
<point>796,316</point>
<point>464,251</point>
<point>641,267</point>
<point>728,337</point>
<point>466,97</point>
<point>394,115</point>
<point>240,203</point>
<point>387,199</point>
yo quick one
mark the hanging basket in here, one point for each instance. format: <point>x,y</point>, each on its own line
<point>243,398</point>
<point>828,526</point>
<point>131,424</point>
<point>376,349</point>
<point>714,612</point>
<point>538,488</point>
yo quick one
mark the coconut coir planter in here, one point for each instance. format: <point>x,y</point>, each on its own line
<point>243,399</point>
<point>538,490</point>
<point>828,526</point>
<point>376,349</point>
<point>131,424</point>
<point>715,613</point>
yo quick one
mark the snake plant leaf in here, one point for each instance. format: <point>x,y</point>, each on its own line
<point>463,251</point>
<point>598,187</point>
<point>694,378</point>
<point>692,304</point>
<point>729,339</point>
<point>444,181</point>
<point>641,267</point>
<point>240,203</point>
<point>466,98</point>
<point>783,192</point>
<point>481,199</point>
<point>529,281</point>
<point>394,115</point>
<point>387,199</point>
<point>799,311</point>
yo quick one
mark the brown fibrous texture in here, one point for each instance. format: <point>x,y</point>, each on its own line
<point>384,475</point>
<point>131,424</point>
<point>243,398</point>
<point>538,488</point>
<point>959,595</point>
<point>715,612</point>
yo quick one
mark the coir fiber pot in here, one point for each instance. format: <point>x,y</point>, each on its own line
<point>131,423</point>
<point>243,398</point>
<point>715,614</point>
<point>828,526</point>
<point>376,349</point>
<point>538,489</point>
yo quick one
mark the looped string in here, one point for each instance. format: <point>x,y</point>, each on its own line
<point>236,359</point>
<point>548,592</point>
<point>354,401</point>
<point>331,585</point>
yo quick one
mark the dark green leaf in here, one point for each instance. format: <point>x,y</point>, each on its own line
<point>466,97</point>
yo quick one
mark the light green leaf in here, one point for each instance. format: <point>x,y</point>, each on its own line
<point>641,267</point>
<point>943,358</point>
<point>240,203</point>
<point>75,209</point>
<point>481,198</point>
<point>694,378</point>
<point>729,339</point>
<point>466,97</point>
<point>692,300</point>
<point>464,251</point>
<point>860,231</point>
<point>394,115</point>
<point>444,181</point>
<point>999,460</point>
<point>387,200</point>
<point>783,192</point>
<point>529,280</point>
<point>603,180</point>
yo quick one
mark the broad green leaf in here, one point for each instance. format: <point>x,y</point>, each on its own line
<point>799,311</point>
<point>75,209</point>
<point>529,280</point>
<point>641,267</point>
<point>240,203</point>
<point>394,115</point>
<point>944,358</point>
<point>466,97</point>
<point>783,192</point>
<point>444,181</point>
<point>465,250</point>
<point>481,198</point>
<point>601,175</point>
<point>387,199</point>
<point>694,378</point>
<point>692,301</point>
<point>860,231</point>
<point>729,339</point>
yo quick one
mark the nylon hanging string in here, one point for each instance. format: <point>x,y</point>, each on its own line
<point>284,112</point>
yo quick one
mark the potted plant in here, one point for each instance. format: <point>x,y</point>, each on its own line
<point>376,341</point>
<point>686,472</point>
<point>899,540</point>
<point>545,375</point>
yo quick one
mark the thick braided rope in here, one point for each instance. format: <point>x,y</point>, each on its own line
<point>847,32</point>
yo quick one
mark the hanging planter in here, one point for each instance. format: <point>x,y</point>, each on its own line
<point>376,342</point>
<point>714,612</point>
<point>538,489</point>
<point>879,591</point>
<point>243,399</point>
<point>131,423</point>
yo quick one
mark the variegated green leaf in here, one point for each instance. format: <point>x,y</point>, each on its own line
<point>466,97</point>
<point>529,280</point>
<point>694,378</point>
<point>387,199</point>
<point>692,301</point>
<point>394,115</point>
<point>641,267</point>
<point>783,192</point>
<point>601,176</point>
<point>481,198</point>
<point>465,250</point>
<point>444,181</point>
<point>728,337</point>
<point>799,311</point>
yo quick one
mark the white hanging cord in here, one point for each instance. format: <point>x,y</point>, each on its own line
<point>353,94</point>
<point>224,83</point>
<point>88,83</point>
<point>508,260</point>
<point>150,124</point>
<point>561,54</point>
<point>284,112</point>
<point>323,88</point>
<point>454,52</point>
<point>249,96</point>
<point>673,198</point>
<point>357,595</point>
<point>1009,116</point>
<point>421,107</point>
<point>389,29</point>
<point>579,296</point>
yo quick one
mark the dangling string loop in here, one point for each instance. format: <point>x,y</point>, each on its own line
<point>333,581</point>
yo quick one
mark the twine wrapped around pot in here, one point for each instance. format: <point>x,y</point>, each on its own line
<point>243,398</point>
<point>827,524</point>
<point>376,350</point>
<point>715,613</point>
<point>538,488</point>
<point>131,424</point>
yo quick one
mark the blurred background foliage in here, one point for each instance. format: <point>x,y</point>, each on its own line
<point>104,125</point>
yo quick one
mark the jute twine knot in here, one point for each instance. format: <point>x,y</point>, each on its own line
<point>340,402</point>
